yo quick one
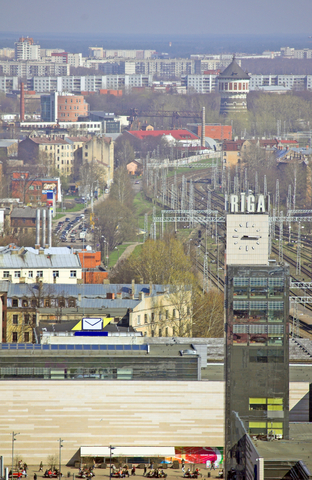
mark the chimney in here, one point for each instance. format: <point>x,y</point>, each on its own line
<point>133,287</point>
<point>119,295</point>
<point>22,103</point>
<point>50,228</point>
<point>37,229</point>
<point>79,297</point>
<point>150,289</point>
<point>43,227</point>
<point>141,295</point>
<point>203,132</point>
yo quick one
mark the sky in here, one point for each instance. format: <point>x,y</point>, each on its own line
<point>156,16</point>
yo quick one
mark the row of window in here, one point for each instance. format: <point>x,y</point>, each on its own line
<point>161,315</point>
<point>46,302</point>
<point>27,319</point>
<point>39,273</point>
<point>27,337</point>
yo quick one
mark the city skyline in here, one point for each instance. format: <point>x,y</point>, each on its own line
<point>165,17</point>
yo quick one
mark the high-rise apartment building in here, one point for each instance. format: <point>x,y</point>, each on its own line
<point>25,49</point>
<point>256,326</point>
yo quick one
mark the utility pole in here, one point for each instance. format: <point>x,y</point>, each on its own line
<point>13,440</point>
<point>60,457</point>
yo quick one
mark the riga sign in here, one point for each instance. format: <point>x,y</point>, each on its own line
<point>247,203</point>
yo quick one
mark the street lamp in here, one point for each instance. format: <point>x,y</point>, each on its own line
<point>110,460</point>
<point>60,458</point>
<point>13,440</point>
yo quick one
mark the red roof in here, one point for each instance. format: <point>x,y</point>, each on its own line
<point>182,134</point>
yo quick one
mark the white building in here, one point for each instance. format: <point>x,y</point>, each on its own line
<point>25,49</point>
<point>19,265</point>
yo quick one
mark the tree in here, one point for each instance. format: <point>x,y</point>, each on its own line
<point>91,173</point>
<point>121,190</point>
<point>115,222</point>
<point>208,314</point>
<point>123,151</point>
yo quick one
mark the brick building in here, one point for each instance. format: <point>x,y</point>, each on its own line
<point>58,107</point>
<point>30,189</point>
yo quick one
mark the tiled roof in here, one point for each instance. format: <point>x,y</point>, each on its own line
<point>182,134</point>
<point>234,71</point>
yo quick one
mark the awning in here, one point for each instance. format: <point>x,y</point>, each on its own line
<point>127,452</point>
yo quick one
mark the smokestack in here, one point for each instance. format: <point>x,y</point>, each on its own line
<point>203,132</point>
<point>22,103</point>
<point>43,228</point>
<point>50,228</point>
<point>38,229</point>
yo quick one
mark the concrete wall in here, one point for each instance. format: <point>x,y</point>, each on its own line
<point>119,413</point>
<point>94,413</point>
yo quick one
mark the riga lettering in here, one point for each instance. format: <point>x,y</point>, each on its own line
<point>247,203</point>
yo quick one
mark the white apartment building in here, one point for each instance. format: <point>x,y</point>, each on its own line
<point>291,82</point>
<point>25,49</point>
<point>7,84</point>
<point>200,83</point>
<point>31,68</point>
<point>88,83</point>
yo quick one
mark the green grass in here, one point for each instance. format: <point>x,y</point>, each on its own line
<point>181,170</point>
<point>116,254</point>
<point>141,207</point>
<point>76,208</point>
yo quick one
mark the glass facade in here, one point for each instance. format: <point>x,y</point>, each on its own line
<point>257,355</point>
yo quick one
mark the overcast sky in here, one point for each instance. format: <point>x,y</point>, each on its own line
<point>157,16</point>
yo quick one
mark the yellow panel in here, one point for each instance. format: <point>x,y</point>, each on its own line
<point>275,425</point>
<point>257,401</point>
<point>275,407</point>
<point>107,320</point>
<point>78,326</point>
<point>275,401</point>
<point>257,424</point>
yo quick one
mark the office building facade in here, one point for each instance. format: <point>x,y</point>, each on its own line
<point>256,326</point>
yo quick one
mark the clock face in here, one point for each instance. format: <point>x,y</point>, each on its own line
<point>247,239</point>
<point>246,236</point>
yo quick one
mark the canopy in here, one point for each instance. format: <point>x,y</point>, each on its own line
<point>127,451</point>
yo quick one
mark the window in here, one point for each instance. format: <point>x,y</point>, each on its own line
<point>167,314</point>
<point>71,302</point>
<point>56,273</point>
<point>152,317</point>
<point>25,302</point>
<point>73,273</point>
<point>167,332</point>
<point>40,273</point>
<point>15,302</point>
<point>145,318</point>
<point>159,332</point>
<point>174,313</point>
<point>46,302</point>
<point>14,337</point>
<point>26,336</point>
<point>30,274</point>
<point>15,319</point>
<point>61,302</point>
<point>6,274</point>
<point>139,320</point>
<point>17,274</point>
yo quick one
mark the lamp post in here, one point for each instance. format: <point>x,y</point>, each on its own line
<point>13,440</point>
<point>60,457</point>
<point>110,460</point>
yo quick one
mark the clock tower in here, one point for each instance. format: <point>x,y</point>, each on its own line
<point>256,331</point>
